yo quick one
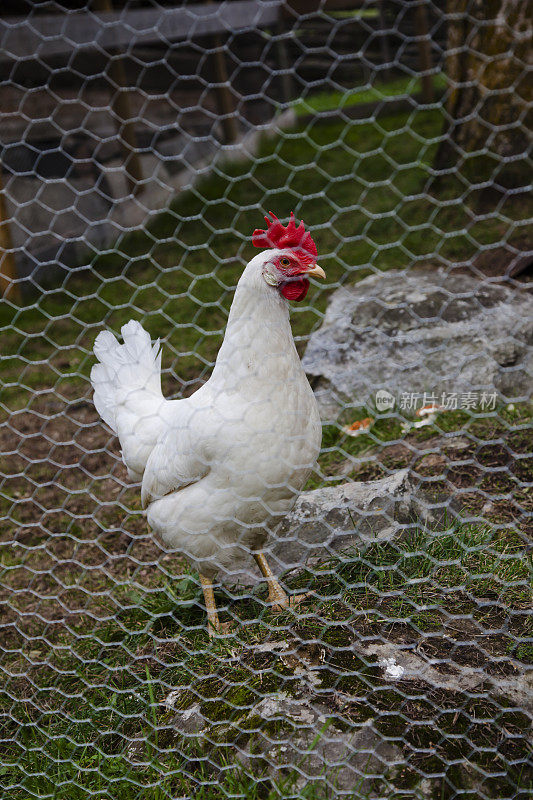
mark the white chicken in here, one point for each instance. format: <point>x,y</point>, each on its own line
<point>221,468</point>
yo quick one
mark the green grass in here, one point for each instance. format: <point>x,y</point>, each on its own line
<point>367,456</point>
<point>332,101</point>
<point>72,770</point>
<point>361,189</point>
<point>358,13</point>
<point>96,723</point>
<point>81,703</point>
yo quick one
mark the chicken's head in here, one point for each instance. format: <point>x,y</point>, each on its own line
<point>293,257</point>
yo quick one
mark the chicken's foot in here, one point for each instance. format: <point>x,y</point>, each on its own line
<point>213,623</point>
<point>276,595</point>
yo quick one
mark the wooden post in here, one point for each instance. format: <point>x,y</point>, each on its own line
<point>122,109</point>
<point>384,40</point>
<point>121,106</point>
<point>8,269</point>
<point>226,106</point>
<point>287,87</point>
<point>424,49</point>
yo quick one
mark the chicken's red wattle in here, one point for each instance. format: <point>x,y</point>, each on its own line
<point>295,289</point>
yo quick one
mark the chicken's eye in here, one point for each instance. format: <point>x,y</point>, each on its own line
<point>284,262</point>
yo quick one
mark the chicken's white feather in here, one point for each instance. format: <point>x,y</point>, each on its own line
<point>174,462</point>
<point>127,391</point>
<point>220,466</point>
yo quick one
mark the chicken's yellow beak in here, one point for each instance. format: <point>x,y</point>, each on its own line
<point>316,272</point>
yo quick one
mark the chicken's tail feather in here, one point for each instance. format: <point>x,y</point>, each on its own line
<point>124,370</point>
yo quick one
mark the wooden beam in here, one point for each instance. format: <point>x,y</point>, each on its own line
<point>41,36</point>
<point>8,269</point>
<point>287,84</point>
<point>424,49</point>
<point>299,7</point>
<point>383,40</point>
<point>224,97</point>
<point>121,107</point>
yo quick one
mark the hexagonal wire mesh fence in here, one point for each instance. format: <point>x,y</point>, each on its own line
<point>141,145</point>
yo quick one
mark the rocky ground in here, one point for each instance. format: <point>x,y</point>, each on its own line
<point>406,669</point>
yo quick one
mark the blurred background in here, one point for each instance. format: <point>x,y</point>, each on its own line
<point>101,102</point>
<point>141,143</point>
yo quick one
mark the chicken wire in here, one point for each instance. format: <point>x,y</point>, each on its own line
<point>141,145</point>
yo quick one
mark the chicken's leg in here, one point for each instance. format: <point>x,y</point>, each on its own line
<point>276,595</point>
<point>213,624</point>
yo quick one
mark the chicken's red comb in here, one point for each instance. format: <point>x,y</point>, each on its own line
<point>279,236</point>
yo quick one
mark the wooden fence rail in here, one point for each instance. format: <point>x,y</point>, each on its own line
<point>48,35</point>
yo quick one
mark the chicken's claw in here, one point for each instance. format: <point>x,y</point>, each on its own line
<point>222,629</point>
<point>290,601</point>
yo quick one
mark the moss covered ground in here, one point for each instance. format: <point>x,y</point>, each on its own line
<point>100,623</point>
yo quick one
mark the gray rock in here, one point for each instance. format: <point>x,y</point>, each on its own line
<point>421,331</point>
<point>400,662</point>
<point>191,721</point>
<point>307,744</point>
<point>325,521</point>
<point>309,734</point>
